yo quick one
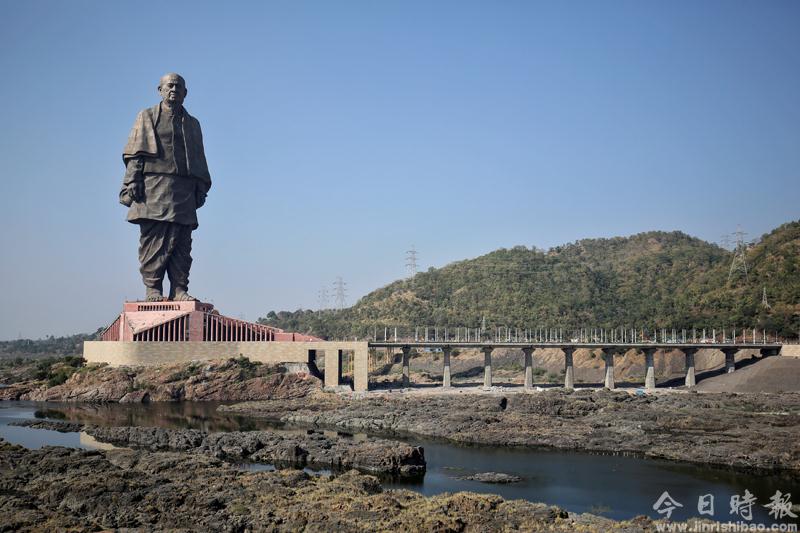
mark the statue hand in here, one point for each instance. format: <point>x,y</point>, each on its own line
<point>200,197</point>
<point>136,190</point>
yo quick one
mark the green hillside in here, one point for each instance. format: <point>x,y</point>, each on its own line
<point>48,347</point>
<point>654,279</point>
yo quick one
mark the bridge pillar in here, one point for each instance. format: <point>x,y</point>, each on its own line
<point>608,356</point>
<point>650,376</point>
<point>406,356</point>
<point>730,359</point>
<point>569,370</point>
<point>446,368</point>
<point>768,352</point>
<point>690,372</point>
<point>361,368</point>
<point>333,367</point>
<point>389,356</point>
<point>528,352</point>
<point>487,366</point>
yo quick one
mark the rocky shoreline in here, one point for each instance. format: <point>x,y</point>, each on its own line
<point>752,432</point>
<point>56,488</point>
<point>223,380</point>
<point>296,449</point>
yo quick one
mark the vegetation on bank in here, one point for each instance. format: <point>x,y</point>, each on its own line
<point>48,347</point>
<point>650,280</point>
<point>53,370</point>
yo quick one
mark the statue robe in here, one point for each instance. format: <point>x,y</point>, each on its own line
<point>165,153</point>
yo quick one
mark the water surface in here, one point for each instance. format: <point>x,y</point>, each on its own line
<point>618,487</point>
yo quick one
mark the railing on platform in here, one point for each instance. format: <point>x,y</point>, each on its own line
<point>157,306</point>
<point>175,330</point>
<point>218,328</point>
<point>112,332</point>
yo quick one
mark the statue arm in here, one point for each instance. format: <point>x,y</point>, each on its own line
<point>203,185</point>
<point>201,191</point>
<point>133,182</point>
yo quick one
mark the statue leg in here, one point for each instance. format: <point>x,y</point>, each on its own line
<point>180,262</point>
<point>153,257</point>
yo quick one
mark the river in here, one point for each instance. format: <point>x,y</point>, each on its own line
<point>614,486</point>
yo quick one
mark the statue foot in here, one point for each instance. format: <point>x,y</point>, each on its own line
<point>182,296</point>
<point>153,295</point>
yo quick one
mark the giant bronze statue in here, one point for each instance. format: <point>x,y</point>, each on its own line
<point>166,181</point>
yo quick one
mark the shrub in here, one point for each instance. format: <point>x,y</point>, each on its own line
<point>248,368</point>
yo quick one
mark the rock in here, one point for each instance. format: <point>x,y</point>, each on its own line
<point>668,426</point>
<point>15,391</point>
<point>153,439</point>
<point>58,489</point>
<point>224,380</point>
<point>376,456</point>
<point>52,425</point>
<point>137,396</point>
<point>493,477</point>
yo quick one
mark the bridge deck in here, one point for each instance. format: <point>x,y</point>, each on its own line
<point>575,345</point>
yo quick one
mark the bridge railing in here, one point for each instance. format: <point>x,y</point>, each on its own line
<point>558,335</point>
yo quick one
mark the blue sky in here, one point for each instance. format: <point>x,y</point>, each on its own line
<point>338,134</point>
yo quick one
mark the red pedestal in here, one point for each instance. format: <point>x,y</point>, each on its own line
<point>169,321</point>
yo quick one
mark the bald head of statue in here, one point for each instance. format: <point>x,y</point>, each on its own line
<point>172,88</point>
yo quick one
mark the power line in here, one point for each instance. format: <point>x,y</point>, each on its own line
<point>340,292</point>
<point>411,262</point>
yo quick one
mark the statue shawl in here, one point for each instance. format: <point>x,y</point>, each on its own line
<point>143,142</point>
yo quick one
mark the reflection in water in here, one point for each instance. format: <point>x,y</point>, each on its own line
<point>185,415</point>
<point>614,486</point>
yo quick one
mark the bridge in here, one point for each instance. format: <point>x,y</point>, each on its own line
<point>608,350</point>
<point>153,333</point>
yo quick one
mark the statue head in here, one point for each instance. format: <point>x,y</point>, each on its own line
<point>172,88</point>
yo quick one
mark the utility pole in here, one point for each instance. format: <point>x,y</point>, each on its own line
<point>411,262</point>
<point>340,292</point>
<point>764,301</point>
<point>739,261</point>
<point>322,298</point>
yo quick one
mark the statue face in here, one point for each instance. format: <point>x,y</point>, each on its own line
<point>172,89</point>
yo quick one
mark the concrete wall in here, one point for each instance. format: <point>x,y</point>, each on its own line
<point>791,350</point>
<point>128,353</point>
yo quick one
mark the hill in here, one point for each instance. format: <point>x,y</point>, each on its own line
<point>649,280</point>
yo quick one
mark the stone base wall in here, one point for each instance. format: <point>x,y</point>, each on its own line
<point>129,353</point>
<point>790,350</point>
